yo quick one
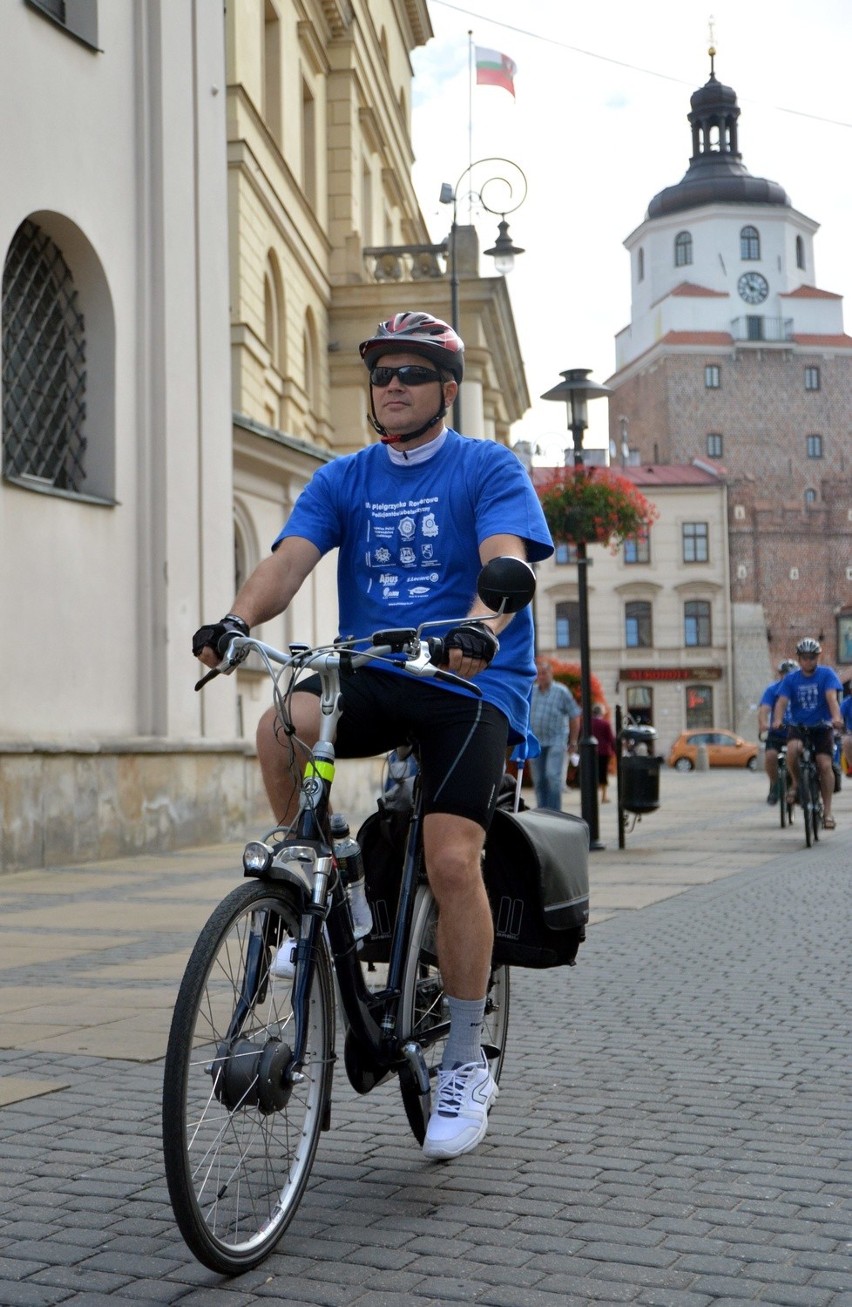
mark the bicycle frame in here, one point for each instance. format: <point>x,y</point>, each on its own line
<point>306,859</point>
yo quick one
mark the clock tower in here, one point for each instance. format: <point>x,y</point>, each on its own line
<point>735,356</point>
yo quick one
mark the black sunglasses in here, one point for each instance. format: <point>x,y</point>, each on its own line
<point>409,374</point>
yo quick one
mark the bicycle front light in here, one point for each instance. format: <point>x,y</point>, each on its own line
<point>257,858</point>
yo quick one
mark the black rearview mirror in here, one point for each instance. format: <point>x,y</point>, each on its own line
<point>505,585</point>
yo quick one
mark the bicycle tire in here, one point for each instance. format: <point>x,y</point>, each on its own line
<point>782,796</point>
<point>237,1170</point>
<point>806,795</point>
<point>423,1016</point>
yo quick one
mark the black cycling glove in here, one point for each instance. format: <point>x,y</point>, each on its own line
<point>218,636</point>
<point>475,640</point>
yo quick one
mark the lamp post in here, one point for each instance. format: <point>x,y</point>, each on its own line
<point>576,390</point>
<point>503,250</point>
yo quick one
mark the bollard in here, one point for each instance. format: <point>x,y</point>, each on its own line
<point>702,762</point>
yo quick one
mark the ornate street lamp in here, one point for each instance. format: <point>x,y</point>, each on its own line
<point>506,194</point>
<point>576,390</point>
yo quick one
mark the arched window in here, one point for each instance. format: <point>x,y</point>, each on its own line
<point>749,243</point>
<point>800,252</point>
<point>638,633</point>
<point>44,365</point>
<point>810,496</point>
<point>696,623</point>
<point>683,249</point>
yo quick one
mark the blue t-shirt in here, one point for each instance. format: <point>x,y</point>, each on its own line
<point>770,698</point>
<point>409,537</point>
<point>846,712</point>
<point>808,705</point>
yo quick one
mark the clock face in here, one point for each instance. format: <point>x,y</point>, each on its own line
<point>753,287</point>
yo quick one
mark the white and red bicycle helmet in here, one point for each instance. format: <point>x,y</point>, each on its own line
<point>417,333</point>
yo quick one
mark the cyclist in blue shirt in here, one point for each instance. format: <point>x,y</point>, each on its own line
<point>414,518</point>
<point>811,693</point>
<point>775,740</point>
<point>846,714</point>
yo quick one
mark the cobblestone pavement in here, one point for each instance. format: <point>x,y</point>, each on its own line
<point>673,1127</point>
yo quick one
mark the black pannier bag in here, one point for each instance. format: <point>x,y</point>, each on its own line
<point>537,876</point>
<point>536,871</point>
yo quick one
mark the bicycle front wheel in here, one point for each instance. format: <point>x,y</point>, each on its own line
<point>238,1138</point>
<point>806,792</point>
<point>424,1015</point>
<point>782,796</point>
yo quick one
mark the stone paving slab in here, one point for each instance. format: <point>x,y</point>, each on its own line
<point>673,1127</point>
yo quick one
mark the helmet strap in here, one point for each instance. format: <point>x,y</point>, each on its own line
<point>388,439</point>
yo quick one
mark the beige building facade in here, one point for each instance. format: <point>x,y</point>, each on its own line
<point>660,627</point>
<point>220,209</point>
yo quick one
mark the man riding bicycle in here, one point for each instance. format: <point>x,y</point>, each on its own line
<point>775,740</point>
<point>811,693</point>
<point>414,518</point>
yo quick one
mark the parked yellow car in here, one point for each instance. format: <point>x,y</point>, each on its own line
<point>724,749</point>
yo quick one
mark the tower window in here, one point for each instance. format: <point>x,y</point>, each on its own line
<point>810,498</point>
<point>712,376</point>
<point>800,252</point>
<point>640,265</point>
<point>749,243</point>
<point>683,249</point>
<point>714,445</point>
<point>811,378</point>
<point>814,446</point>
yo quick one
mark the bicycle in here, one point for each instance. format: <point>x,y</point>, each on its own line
<point>248,1072</point>
<point>810,794</point>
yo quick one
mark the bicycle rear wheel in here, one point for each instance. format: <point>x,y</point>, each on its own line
<point>782,796</point>
<point>423,1011</point>
<point>238,1139</point>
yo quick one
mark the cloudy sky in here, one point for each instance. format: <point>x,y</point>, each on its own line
<point>599,127</point>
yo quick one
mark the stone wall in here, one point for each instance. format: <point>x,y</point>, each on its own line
<point>98,801</point>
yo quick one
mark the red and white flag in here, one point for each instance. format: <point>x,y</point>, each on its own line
<point>495,69</point>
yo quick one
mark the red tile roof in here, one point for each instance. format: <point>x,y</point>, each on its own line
<point>808,293</point>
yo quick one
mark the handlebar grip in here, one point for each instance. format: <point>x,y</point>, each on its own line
<point>437,654</point>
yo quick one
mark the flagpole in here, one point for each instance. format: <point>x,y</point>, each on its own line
<point>470,62</point>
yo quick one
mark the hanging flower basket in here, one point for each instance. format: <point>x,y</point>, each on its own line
<point>592,505</point>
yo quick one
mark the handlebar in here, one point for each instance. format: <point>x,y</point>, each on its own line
<point>402,648</point>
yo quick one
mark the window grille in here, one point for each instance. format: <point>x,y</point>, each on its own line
<point>44,365</point>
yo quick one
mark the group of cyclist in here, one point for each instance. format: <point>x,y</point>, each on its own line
<point>806,695</point>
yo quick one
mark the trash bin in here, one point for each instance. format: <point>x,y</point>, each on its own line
<point>639,738</point>
<point>640,783</point>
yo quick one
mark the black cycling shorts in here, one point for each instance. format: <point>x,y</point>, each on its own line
<point>462,741</point>
<point>776,739</point>
<point>822,737</point>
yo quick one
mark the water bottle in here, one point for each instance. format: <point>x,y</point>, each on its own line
<point>347,850</point>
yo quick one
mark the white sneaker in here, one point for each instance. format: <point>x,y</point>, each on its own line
<point>283,965</point>
<point>459,1118</point>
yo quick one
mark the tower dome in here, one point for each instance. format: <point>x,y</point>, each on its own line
<point>716,173</point>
